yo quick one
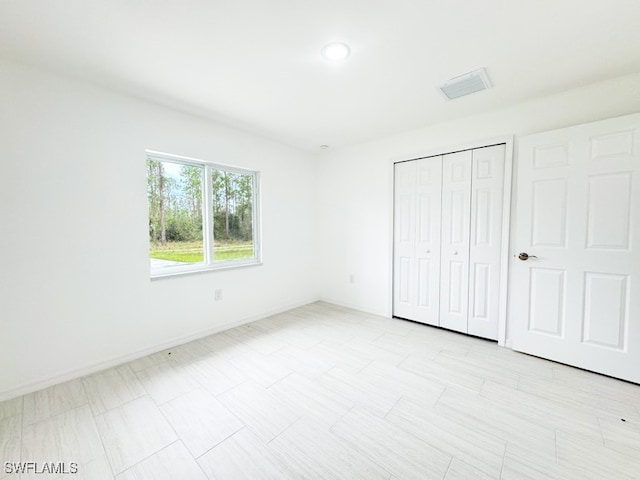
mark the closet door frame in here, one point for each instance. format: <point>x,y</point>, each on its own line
<point>507,140</point>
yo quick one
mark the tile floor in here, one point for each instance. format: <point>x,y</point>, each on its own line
<point>323,392</point>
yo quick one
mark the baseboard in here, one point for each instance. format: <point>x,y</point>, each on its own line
<point>360,308</point>
<point>98,367</point>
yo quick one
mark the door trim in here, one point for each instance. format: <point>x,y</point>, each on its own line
<point>507,140</point>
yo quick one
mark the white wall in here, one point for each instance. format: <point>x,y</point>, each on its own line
<point>75,293</point>
<point>355,194</point>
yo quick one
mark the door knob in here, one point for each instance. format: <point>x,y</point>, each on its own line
<point>427,251</point>
<point>454,252</point>
<point>524,256</point>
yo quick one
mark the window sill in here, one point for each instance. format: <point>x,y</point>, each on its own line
<point>192,270</point>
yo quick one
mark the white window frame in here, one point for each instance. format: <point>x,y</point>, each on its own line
<point>207,214</point>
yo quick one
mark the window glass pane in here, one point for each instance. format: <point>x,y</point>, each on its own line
<point>232,215</point>
<point>174,194</point>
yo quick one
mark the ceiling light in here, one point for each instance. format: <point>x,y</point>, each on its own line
<point>336,51</point>
<point>324,147</point>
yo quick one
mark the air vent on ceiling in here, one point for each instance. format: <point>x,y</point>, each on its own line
<point>466,84</point>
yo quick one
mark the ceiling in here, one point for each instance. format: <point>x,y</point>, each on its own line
<point>256,64</point>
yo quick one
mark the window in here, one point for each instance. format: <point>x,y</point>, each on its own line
<point>202,216</point>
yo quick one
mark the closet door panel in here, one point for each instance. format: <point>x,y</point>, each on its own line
<point>454,253</point>
<point>485,240</point>
<point>404,294</point>
<point>427,253</point>
<point>417,240</point>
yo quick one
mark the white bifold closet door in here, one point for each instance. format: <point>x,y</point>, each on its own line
<point>447,240</point>
<point>454,259</point>
<point>418,185</point>
<point>485,240</point>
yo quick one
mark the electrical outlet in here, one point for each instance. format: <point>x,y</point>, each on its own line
<point>352,278</point>
<point>218,295</point>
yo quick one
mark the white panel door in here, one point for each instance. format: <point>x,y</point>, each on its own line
<point>429,186</point>
<point>417,239</point>
<point>487,187</point>
<point>454,250</point>
<point>576,299</point>
<point>404,232</point>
